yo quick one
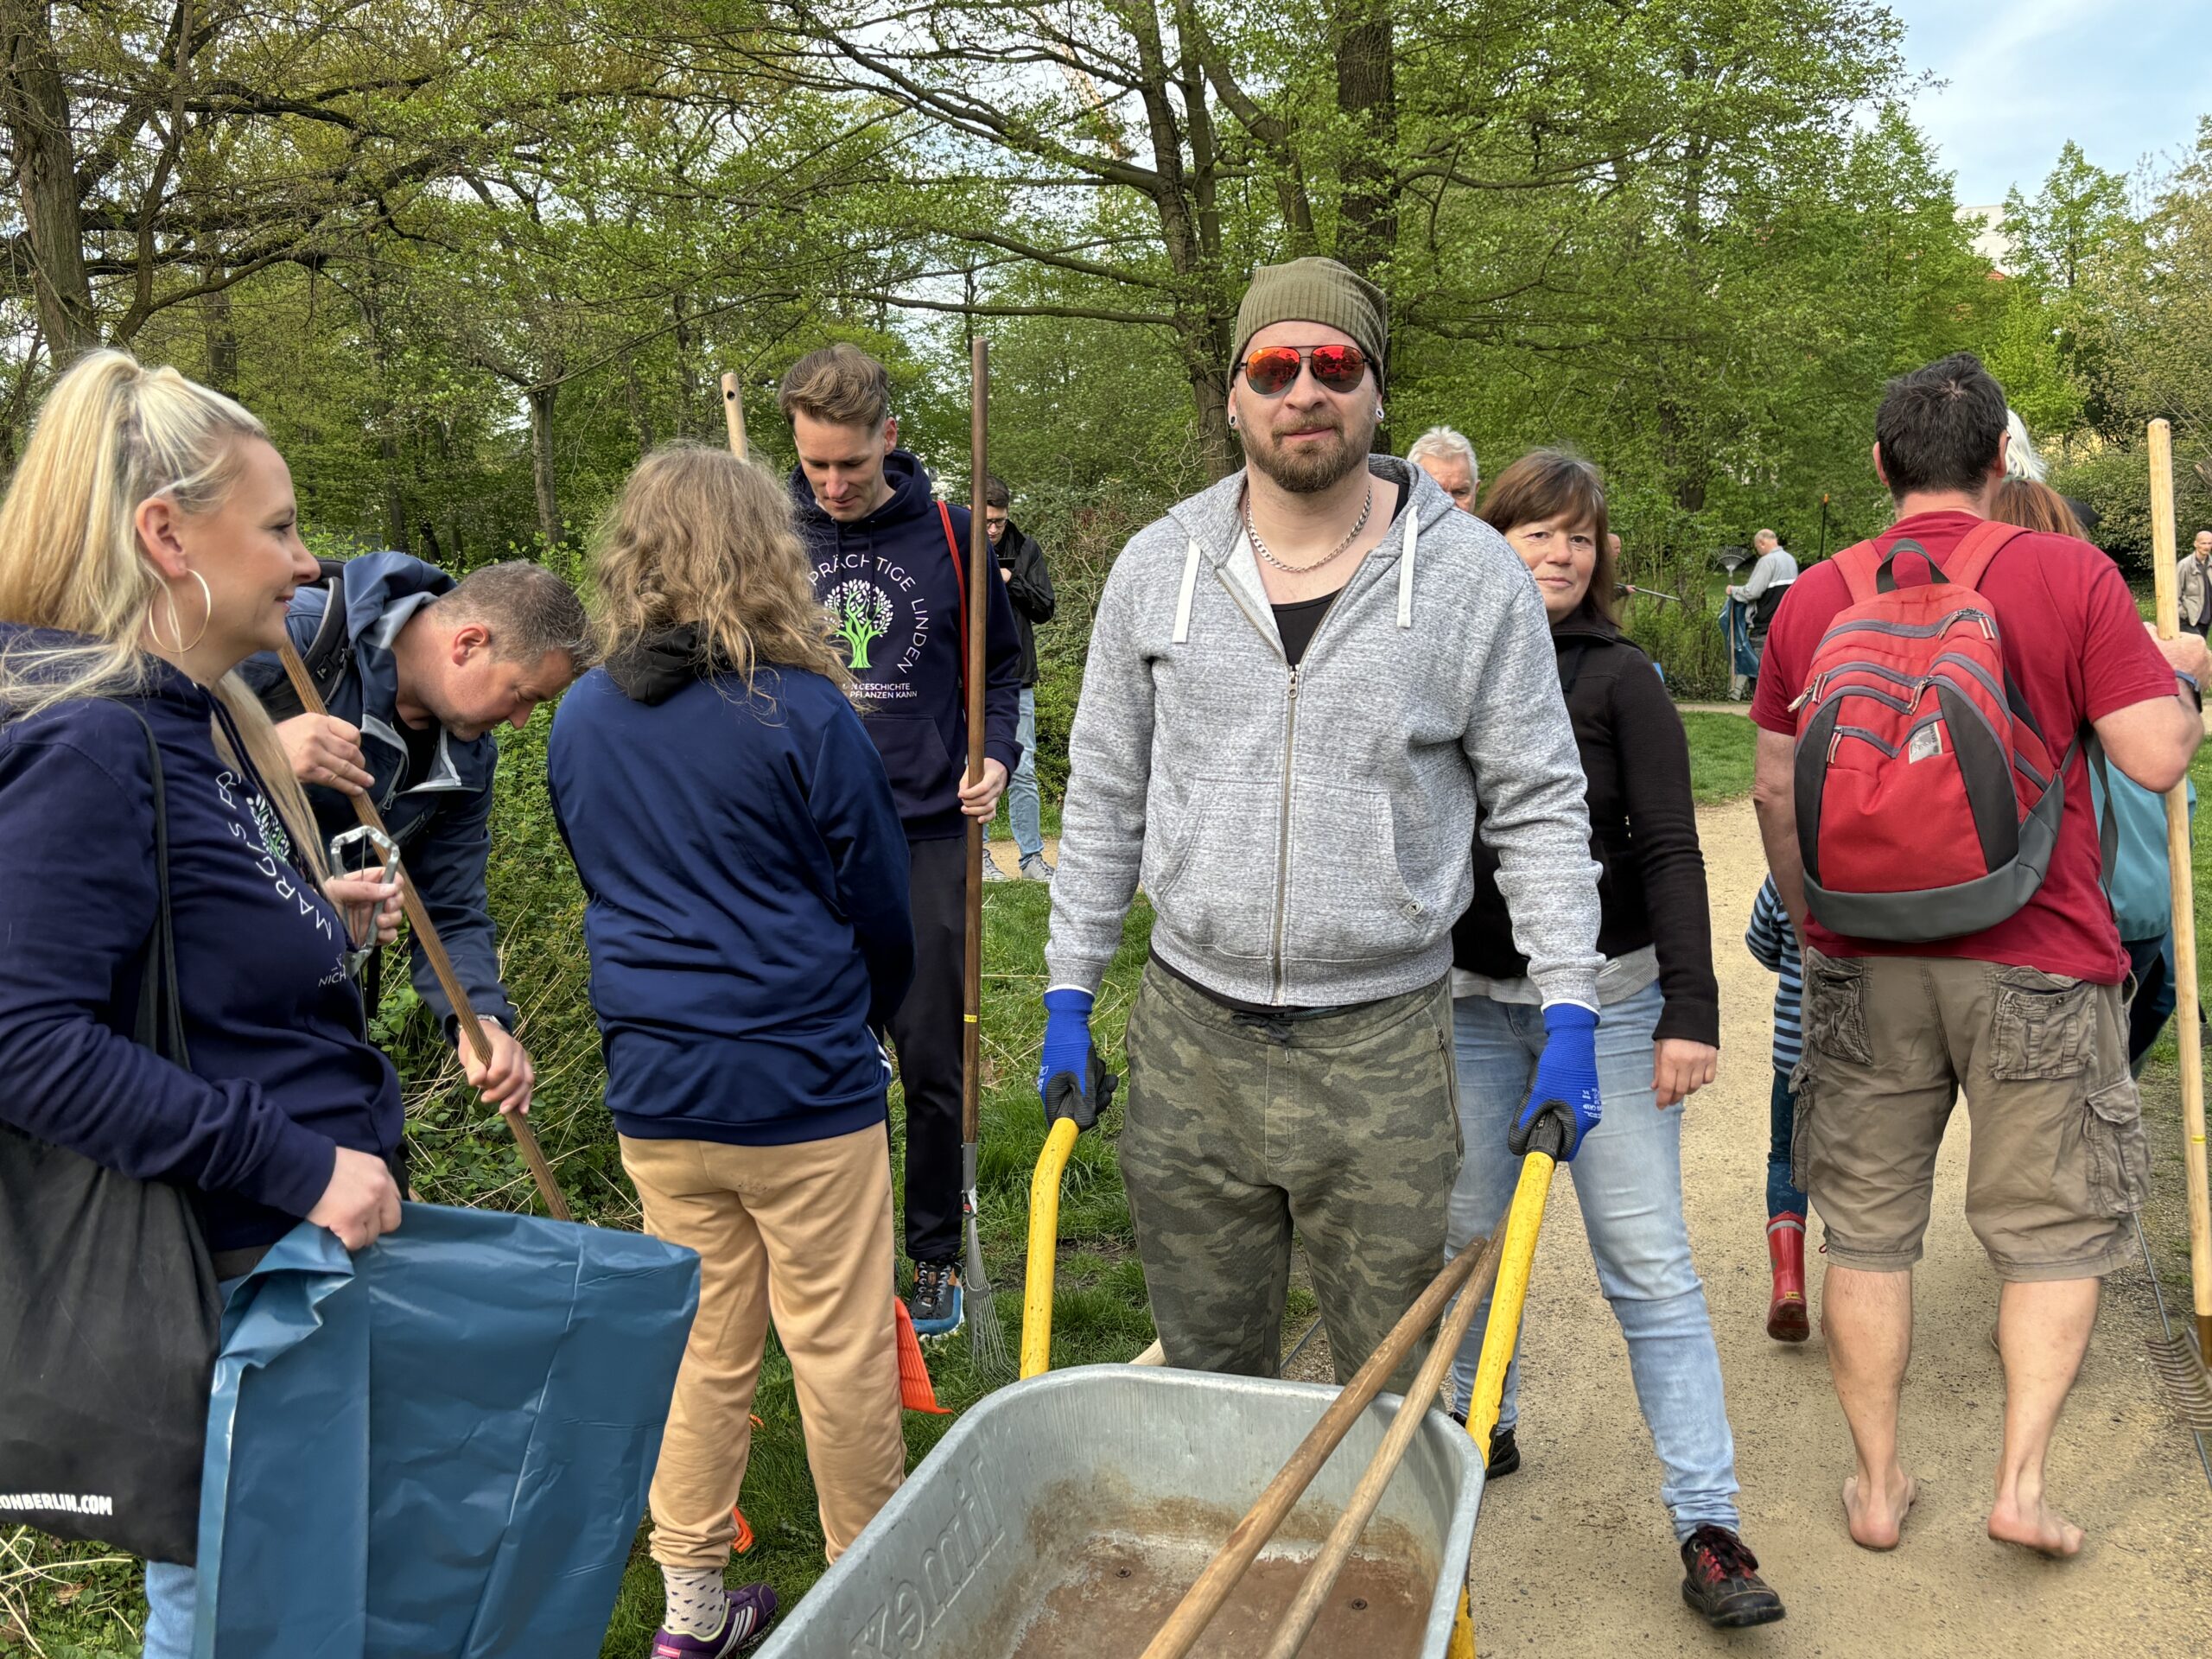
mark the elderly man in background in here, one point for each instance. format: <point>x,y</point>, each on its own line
<point>2192,587</point>
<point>1447,457</point>
<point>1763,590</point>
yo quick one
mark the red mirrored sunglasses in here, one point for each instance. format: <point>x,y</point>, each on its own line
<point>1272,370</point>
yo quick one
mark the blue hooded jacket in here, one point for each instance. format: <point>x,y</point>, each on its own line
<point>444,823</point>
<point>281,1074</point>
<point>897,597</point>
<point>748,920</point>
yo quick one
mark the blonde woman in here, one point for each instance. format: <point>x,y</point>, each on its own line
<point>749,939</point>
<point>148,544</point>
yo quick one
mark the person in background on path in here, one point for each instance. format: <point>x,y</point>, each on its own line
<point>1447,457</point>
<point>1296,683</point>
<point>747,923</point>
<point>427,670</point>
<point>891,565</point>
<point>2026,1015</point>
<point>1762,591</point>
<point>2194,590</point>
<point>148,544</point>
<point>2138,883</point>
<point>1774,943</point>
<point>1029,585</point>
<point>1657,1040</point>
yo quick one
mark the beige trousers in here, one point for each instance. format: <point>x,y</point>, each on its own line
<point>802,1235</point>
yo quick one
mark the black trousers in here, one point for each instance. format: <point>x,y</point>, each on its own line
<point>925,1031</point>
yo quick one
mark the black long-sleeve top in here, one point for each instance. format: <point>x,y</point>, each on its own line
<point>1642,833</point>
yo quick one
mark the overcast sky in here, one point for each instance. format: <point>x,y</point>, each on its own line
<point>2123,81</point>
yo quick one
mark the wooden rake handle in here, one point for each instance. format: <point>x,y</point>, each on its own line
<point>979,609</point>
<point>1321,1578</point>
<point>733,416</point>
<point>433,948</point>
<point>1205,1597</point>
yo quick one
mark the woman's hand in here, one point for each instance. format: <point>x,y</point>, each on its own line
<point>1679,1068</point>
<point>506,1080</point>
<point>361,1204</point>
<point>369,903</point>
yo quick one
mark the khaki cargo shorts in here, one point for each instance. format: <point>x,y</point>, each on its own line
<point>2059,1160</point>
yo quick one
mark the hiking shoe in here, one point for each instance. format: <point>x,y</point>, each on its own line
<point>934,1304</point>
<point>991,871</point>
<point>1724,1584</point>
<point>747,1621</point>
<point>1035,868</point>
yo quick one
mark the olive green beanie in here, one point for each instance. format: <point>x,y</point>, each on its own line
<point>1316,290</point>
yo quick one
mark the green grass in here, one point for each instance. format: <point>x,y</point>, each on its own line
<point>1721,756</point>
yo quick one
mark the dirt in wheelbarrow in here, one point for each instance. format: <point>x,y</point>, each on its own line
<point>1115,1601</point>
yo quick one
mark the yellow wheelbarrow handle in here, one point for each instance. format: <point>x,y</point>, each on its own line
<point>1044,1248</point>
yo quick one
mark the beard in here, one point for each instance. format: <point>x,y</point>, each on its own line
<point>1310,469</point>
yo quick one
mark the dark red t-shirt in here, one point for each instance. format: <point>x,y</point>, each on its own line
<point>2076,647</point>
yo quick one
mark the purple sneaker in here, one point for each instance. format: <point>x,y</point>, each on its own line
<point>750,1611</point>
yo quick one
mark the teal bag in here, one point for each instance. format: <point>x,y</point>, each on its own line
<point>440,1446</point>
<point>2132,821</point>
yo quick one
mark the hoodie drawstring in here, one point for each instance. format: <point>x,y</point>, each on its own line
<point>1183,598</point>
<point>1406,570</point>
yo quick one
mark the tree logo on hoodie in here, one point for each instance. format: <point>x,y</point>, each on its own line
<point>863,613</point>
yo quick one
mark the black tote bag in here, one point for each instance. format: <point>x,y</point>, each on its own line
<point>108,1318</point>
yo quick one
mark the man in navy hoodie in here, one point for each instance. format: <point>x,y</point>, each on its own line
<point>890,563</point>
<point>418,675</point>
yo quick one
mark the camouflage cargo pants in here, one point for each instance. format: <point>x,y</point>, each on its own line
<point>1344,1124</point>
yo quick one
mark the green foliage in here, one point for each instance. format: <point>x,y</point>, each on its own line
<point>1721,750</point>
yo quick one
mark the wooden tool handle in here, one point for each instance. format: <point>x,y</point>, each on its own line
<point>1321,1578</point>
<point>1242,1547</point>
<point>979,608</point>
<point>434,949</point>
<point>2189,1036</point>
<point>733,416</point>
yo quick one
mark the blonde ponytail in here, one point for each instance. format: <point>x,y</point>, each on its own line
<point>110,434</point>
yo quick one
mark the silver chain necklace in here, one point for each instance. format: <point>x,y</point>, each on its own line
<point>1351,536</point>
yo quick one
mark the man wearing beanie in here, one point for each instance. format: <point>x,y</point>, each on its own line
<point>1301,682</point>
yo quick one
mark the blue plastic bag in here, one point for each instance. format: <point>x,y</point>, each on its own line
<point>440,1446</point>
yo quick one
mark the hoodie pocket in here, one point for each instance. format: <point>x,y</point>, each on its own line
<point>1348,900</point>
<point>1210,882</point>
<point>923,779</point>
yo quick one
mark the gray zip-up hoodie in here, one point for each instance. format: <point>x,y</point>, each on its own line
<point>1304,835</point>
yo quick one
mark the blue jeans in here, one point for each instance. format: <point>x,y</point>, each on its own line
<point>1628,1174</point>
<point>1783,1195</point>
<point>1025,811</point>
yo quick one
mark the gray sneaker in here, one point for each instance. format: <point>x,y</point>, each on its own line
<point>1035,868</point>
<point>991,871</point>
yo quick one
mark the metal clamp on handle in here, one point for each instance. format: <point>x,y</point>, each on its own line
<point>387,852</point>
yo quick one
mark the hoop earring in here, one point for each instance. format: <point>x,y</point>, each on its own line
<point>176,623</point>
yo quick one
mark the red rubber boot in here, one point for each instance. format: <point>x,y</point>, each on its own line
<point>1786,1318</point>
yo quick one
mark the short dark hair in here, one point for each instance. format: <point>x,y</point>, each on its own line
<point>1941,427</point>
<point>838,385</point>
<point>532,611</point>
<point>1553,484</point>
<point>995,493</point>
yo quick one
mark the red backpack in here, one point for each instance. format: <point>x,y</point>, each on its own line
<point>1928,807</point>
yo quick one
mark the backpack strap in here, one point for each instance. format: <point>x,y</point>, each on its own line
<point>328,655</point>
<point>960,577</point>
<point>160,1000</point>
<point>1860,566</point>
<point>1971,559</point>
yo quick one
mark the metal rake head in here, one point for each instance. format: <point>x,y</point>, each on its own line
<point>986,1336</point>
<point>2181,1375</point>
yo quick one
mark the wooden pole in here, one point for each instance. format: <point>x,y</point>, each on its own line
<point>733,416</point>
<point>2165,577</point>
<point>426,934</point>
<point>979,573</point>
<point>1204,1599</point>
<point>1321,1578</point>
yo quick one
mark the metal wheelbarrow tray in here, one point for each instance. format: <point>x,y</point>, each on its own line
<point>1064,1516</point>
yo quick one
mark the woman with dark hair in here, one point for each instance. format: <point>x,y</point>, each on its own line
<point>1658,1032</point>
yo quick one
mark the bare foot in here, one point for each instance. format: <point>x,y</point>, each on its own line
<point>1877,1518</point>
<point>2035,1527</point>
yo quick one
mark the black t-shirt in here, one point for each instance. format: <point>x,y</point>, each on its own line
<point>422,752</point>
<point>1296,623</point>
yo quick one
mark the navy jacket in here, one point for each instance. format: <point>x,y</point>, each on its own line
<point>281,1074</point>
<point>444,823</point>
<point>747,878</point>
<point>895,593</point>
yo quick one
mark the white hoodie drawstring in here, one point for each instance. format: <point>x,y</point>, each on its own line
<point>1183,598</point>
<point>1406,572</point>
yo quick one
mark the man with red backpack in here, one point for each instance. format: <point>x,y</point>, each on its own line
<point>1926,711</point>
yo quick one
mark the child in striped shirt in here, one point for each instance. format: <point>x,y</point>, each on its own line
<point>1775,945</point>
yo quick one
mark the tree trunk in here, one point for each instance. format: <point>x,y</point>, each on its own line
<point>222,333</point>
<point>641,413</point>
<point>541,463</point>
<point>35,106</point>
<point>1367,97</point>
<point>395,492</point>
<point>687,374</point>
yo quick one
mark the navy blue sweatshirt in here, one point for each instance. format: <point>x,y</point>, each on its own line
<point>443,821</point>
<point>281,1074</point>
<point>747,917</point>
<point>897,598</point>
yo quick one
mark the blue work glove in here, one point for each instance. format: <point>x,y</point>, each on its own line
<point>1071,1080</point>
<point>1566,1079</point>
